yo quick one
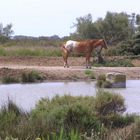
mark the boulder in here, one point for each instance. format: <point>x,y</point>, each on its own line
<point>117,80</point>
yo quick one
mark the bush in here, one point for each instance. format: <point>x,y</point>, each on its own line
<point>10,118</point>
<point>115,63</point>
<point>31,76</point>
<point>109,108</point>
<point>102,83</point>
<point>122,48</point>
<point>117,120</point>
<point>67,111</point>
<point>90,74</point>
<point>63,117</point>
<point>107,103</point>
<point>106,84</point>
<point>8,79</point>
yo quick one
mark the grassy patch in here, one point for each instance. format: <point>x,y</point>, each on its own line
<point>26,77</point>
<point>115,63</point>
<point>32,76</point>
<point>8,80</point>
<point>30,51</point>
<point>90,74</point>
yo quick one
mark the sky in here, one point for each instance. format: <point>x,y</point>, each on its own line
<point>57,17</point>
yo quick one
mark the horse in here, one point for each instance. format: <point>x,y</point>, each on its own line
<point>85,47</point>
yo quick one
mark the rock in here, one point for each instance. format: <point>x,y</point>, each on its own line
<point>117,80</point>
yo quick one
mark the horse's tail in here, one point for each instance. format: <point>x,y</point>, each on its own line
<point>63,46</point>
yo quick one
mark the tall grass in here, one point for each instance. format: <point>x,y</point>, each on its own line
<point>31,76</point>
<point>26,77</point>
<point>30,51</point>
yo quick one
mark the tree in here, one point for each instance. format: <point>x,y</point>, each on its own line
<point>136,47</point>
<point>84,27</point>
<point>5,32</point>
<point>138,22</point>
<point>115,27</point>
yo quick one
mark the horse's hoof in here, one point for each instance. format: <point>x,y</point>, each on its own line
<point>88,67</point>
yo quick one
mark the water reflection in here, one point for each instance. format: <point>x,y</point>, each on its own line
<point>27,95</point>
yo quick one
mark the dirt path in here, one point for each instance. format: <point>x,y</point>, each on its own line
<point>53,68</point>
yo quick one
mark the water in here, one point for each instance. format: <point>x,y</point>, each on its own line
<point>27,95</point>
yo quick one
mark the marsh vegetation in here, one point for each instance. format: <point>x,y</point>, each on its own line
<point>68,117</point>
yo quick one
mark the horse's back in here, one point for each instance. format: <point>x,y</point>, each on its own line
<point>70,44</point>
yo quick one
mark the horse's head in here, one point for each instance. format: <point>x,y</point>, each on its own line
<point>104,44</point>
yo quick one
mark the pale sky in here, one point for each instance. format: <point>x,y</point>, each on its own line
<point>56,17</point>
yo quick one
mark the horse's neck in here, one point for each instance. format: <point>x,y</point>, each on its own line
<point>97,43</point>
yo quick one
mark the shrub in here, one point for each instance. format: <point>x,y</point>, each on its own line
<point>106,84</point>
<point>109,107</point>
<point>8,79</point>
<point>90,74</point>
<point>101,77</point>
<point>115,63</point>
<point>70,112</point>
<point>63,117</point>
<point>10,118</point>
<point>107,103</point>
<point>116,120</point>
<point>122,48</point>
<point>31,76</point>
<point>102,83</point>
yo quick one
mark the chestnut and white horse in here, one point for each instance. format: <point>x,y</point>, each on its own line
<point>85,47</point>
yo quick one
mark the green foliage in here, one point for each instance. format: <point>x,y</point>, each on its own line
<point>26,77</point>
<point>107,103</point>
<point>29,51</point>
<point>85,27</point>
<point>72,135</point>
<point>8,79</point>
<point>109,107</point>
<point>67,111</point>
<point>31,76</point>
<point>122,48</point>
<point>102,83</point>
<point>136,47</point>
<point>115,27</point>
<point>3,39</point>
<point>116,121</point>
<point>115,63</point>
<point>10,116</point>
<point>64,117</point>
<point>5,33</point>
<point>90,74</point>
<point>101,77</point>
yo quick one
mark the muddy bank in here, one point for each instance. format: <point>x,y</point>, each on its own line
<point>72,73</point>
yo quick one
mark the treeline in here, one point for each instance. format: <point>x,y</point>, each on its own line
<point>115,27</point>
<point>120,30</point>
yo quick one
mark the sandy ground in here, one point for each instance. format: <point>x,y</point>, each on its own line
<point>53,69</point>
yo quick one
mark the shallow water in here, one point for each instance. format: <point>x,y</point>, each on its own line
<point>27,95</point>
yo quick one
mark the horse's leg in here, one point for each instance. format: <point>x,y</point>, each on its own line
<point>65,58</point>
